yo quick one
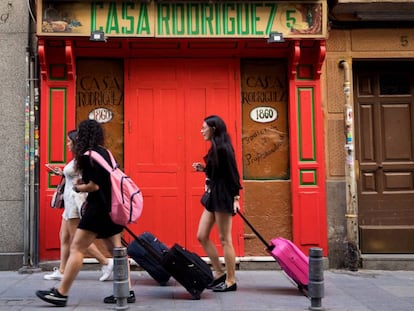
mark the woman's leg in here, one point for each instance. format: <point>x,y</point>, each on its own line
<point>93,250</point>
<point>65,240</point>
<point>203,235</point>
<point>224,224</point>
<point>65,236</point>
<point>111,243</point>
<point>69,226</point>
<point>80,244</point>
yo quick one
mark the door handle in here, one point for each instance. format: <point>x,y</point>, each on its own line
<point>129,127</point>
<point>356,168</point>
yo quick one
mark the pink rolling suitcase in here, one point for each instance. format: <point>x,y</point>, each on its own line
<point>290,258</point>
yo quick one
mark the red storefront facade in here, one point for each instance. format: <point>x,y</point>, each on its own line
<point>151,90</point>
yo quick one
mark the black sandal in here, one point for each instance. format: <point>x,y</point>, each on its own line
<point>217,281</point>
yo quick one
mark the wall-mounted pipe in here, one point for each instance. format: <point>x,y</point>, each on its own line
<point>26,200</point>
<point>351,216</point>
<point>31,107</point>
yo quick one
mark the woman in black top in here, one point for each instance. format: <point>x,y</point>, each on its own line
<point>95,221</point>
<point>223,182</point>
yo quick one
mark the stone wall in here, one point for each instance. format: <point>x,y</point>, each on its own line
<point>13,42</point>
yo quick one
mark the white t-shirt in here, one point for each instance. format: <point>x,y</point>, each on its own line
<point>73,200</point>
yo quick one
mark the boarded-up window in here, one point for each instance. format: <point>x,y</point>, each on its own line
<point>100,96</point>
<point>265,127</point>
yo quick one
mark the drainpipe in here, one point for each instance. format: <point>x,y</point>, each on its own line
<point>351,216</point>
<point>26,213</point>
<point>36,137</point>
<point>34,163</point>
<point>30,223</point>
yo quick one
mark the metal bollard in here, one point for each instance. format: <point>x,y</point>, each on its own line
<point>316,285</point>
<point>121,284</point>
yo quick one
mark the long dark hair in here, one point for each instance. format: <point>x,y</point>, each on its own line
<point>222,151</point>
<point>220,139</point>
<point>90,136</point>
<point>73,136</point>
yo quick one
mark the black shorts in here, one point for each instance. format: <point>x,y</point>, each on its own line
<point>97,220</point>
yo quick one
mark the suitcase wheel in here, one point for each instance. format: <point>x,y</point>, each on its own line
<point>196,296</point>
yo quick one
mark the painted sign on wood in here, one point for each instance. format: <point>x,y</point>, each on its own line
<point>264,97</point>
<point>225,19</point>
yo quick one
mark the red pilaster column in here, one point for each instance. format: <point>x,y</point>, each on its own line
<point>307,146</point>
<point>57,117</point>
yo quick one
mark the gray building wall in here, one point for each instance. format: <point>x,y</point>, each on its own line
<point>336,210</point>
<point>13,41</point>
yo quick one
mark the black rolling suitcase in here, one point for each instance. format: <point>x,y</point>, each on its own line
<point>148,251</point>
<point>188,269</point>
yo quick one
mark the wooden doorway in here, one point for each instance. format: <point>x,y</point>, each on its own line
<point>167,101</point>
<point>384,116</point>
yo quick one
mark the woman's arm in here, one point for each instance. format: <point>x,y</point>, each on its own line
<point>89,187</point>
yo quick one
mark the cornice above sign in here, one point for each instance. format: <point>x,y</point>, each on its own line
<point>170,19</point>
<point>379,10</point>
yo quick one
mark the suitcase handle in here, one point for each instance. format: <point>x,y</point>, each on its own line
<point>270,247</point>
<point>131,233</point>
<point>143,244</point>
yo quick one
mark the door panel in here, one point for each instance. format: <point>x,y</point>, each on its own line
<point>164,117</point>
<point>153,151</point>
<point>385,131</point>
<point>210,90</point>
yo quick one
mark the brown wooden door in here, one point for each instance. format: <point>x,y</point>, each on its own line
<point>166,103</point>
<point>384,111</point>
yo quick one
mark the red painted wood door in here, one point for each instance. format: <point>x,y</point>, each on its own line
<point>166,102</point>
<point>57,118</point>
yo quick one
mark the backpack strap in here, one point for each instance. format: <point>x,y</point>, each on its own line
<point>101,160</point>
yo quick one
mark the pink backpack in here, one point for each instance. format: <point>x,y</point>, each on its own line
<point>126,197</point>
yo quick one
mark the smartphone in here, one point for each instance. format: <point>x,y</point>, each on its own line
<point>52,169</point>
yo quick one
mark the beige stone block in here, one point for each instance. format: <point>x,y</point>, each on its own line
<point>334,86</point>
<point>336,149</point>
<point>337,41</point>
<point>399,40</point>
<point>267,205</point>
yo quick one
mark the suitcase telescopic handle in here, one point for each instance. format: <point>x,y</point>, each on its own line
<point>131,233</point>
<point>144,244</point>
<point>269,247</point>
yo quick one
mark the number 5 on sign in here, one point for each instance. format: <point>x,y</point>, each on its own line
<point>290,20</point>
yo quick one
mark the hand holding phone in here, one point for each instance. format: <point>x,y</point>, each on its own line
<point>54,170</point>
<point>198,166</point>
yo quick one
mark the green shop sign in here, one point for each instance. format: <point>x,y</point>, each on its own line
<point>242,19</point>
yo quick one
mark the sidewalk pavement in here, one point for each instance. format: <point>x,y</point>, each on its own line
<point>364,290</point>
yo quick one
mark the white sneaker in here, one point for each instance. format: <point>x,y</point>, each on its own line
<point>55,275</point>
<point>107,270</point>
